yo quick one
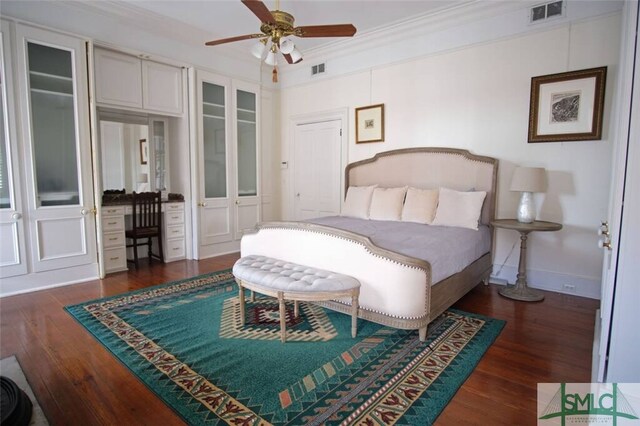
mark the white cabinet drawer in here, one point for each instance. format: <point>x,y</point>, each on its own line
<point>113,211</point>
<point>113,239</point>
<point>173,217</point>
<point>175,231</point>
<point>171,207</point>
<point>115,259</point>
<point>114,223</point>
<point>175,249</point>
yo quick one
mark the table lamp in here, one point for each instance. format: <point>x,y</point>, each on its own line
<point>528,180</point>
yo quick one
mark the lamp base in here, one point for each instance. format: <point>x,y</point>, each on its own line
<point>526,208</point>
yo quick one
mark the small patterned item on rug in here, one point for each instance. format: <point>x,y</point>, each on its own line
<point>184,341</point>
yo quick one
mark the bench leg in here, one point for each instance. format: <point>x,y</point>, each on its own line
<point>296,309</point>
<point>354,314</point>
<point>283,318</point>
<point>423,333</point>
<point>253,296</point>
<point>241,301</point>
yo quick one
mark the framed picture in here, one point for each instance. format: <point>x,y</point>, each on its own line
<point>370,124</point>
<point>567,106</point>
<point>144,151</point>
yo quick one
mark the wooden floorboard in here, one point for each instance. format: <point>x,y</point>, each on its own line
<point>78,382</point>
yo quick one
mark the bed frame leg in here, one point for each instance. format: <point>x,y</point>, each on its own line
<point>485,281</point>
<point>423,333</point>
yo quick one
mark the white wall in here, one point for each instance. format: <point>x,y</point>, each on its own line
<point>477,98</point>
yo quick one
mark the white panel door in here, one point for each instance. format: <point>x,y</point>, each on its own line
<point>57,148</point>
<point>317,169</point>
<point>12,240</point>
<point>246,156</point>
<point>214,156</point>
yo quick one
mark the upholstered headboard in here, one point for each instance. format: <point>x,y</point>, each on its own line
<point>429,168</point>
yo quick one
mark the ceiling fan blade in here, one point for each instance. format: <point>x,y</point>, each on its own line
<point>340,30</point>
<point>260,10</point>
<point>230,39</point>
<point>289,59</point>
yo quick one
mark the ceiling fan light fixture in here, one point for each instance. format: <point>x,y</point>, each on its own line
<point>258,48</point>
<point>271,58</point>
<point>295,55</point>
<point>286,45</point>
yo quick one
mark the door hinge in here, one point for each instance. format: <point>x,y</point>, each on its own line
<point>340,132</point>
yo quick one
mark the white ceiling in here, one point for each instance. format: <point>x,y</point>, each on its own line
<point>228,18</point>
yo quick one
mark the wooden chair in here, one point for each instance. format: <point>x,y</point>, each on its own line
<point>147,223</point>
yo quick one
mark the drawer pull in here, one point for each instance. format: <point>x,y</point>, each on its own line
<point>175,217</point>
<point>112,223</point>
<point>111,211</point>
<point>113,238</point>
<point>175,248</point>
<point>114,258</point>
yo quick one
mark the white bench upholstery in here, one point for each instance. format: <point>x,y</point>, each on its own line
<point>290,281</point>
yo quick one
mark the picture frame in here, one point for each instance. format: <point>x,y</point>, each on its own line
<point>567,106</point>
<point>370,124</point>
<point>144,152</point>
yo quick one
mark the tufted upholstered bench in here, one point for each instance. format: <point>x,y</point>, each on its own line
<point>290,281</point>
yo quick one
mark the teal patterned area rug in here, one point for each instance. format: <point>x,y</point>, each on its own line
<point>184,341</point>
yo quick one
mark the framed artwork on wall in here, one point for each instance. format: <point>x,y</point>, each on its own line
<point>144,151</point>
<point>370,124</point>
<point>567,106</point>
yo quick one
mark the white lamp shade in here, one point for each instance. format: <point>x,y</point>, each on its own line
<point>529,179</point>
<point>295,55</point>
<point>271,59</point>
<point>257,49</point>
<point>286,45</point>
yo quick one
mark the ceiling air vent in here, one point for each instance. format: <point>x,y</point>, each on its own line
<point>542,12</point>
<point>317,69</point>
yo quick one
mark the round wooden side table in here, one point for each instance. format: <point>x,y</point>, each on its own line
<point>520,291</point>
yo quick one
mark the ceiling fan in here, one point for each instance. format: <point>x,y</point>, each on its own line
<point>277,28</point>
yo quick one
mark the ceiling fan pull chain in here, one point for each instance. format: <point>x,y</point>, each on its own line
<point>274,75</point>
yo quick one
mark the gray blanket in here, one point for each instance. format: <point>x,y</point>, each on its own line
<point>449,250</point>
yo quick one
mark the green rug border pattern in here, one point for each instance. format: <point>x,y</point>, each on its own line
<point>424,410</point>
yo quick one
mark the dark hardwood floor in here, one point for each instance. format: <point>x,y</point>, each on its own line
<point>78,382</point>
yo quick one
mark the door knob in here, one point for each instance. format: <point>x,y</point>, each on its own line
<point>84,211</point>
<point>237,202</point>
<point>603,229</point>
<point>298,195</point>
<point>16,216</point>
<point>202,204</point>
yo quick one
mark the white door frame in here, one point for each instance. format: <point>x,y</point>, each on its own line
<point>341,114</point>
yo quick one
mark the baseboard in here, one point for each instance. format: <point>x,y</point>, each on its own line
<point>551,281</point>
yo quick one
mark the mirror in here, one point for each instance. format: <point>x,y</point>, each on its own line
<point>133,156</point>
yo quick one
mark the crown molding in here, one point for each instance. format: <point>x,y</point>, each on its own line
<point>448,29</point>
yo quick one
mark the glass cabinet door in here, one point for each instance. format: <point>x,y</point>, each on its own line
<point>54,100</point>
<point>158,131</point>
<point>214,140</point>
<point>247,144</point>
<point>51,88</point>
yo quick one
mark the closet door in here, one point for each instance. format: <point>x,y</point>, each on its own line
<point>12,241</point>
<point>57,149</point>
<point>214,157</point>
<point>247,196</point>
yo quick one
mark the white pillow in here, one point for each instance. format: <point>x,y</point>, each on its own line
<point>386,203</point>
<point>358,201</point>
<point>420,205</point>
<point>461,209</point>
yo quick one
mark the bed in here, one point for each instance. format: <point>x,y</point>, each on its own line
<point>399,285</point>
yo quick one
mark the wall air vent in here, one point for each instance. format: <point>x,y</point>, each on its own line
<point>317,69</point>
<point>543,12</point>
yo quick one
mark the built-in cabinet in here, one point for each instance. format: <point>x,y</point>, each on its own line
<point>127,81</point>
<point>228,149</point>
<point>114,223</point>
<point>50,188</point>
